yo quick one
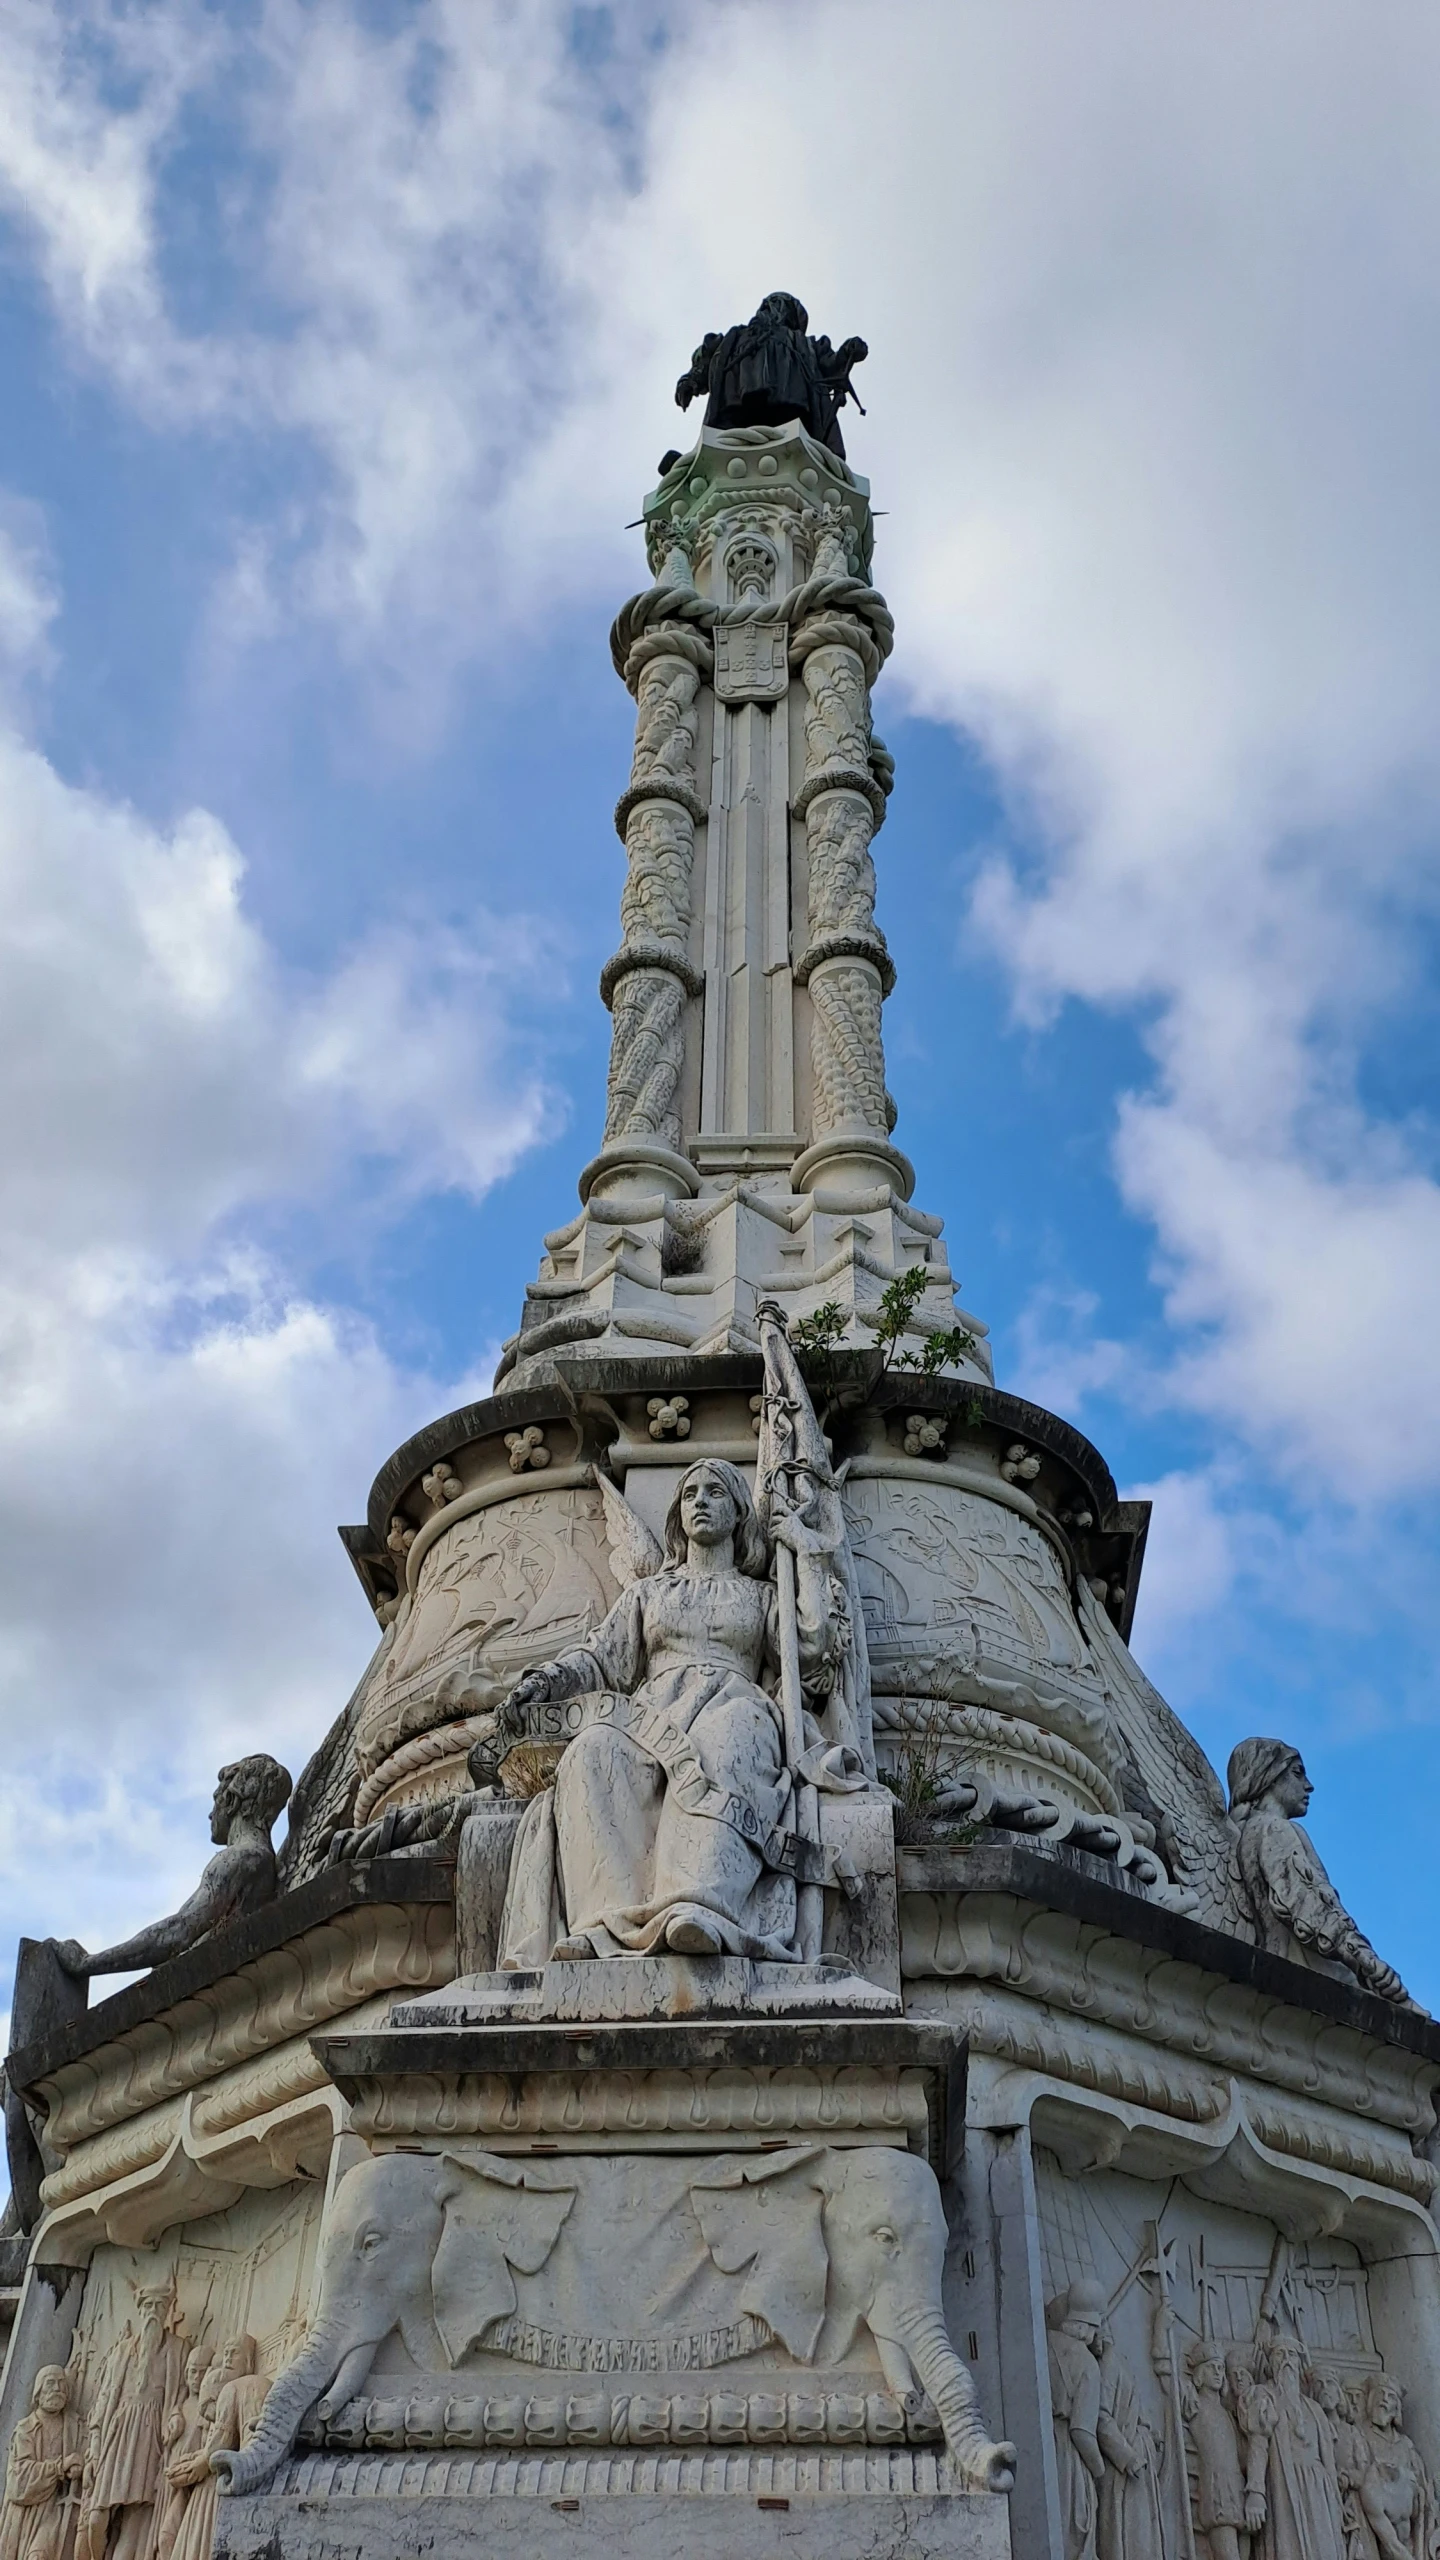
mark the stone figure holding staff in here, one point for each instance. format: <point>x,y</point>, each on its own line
<point>724,1688</point>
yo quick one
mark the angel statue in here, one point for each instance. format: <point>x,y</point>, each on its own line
<point>727,1685</point>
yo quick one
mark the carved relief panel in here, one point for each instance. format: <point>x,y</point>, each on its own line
<point>173,2354</point>
<point>967,1601</point>
<point>509,1586</point>
<point>1216,2388</point>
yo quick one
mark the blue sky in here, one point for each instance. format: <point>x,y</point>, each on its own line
<point>338,340</point>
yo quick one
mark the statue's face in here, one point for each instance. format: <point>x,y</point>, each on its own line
<point>53,2393</point>
<point>1293,1791</point>
<point>707,1508</point>
<point>1387,2405</point>
<point>1209,2373</point>
<point>222,1813</point>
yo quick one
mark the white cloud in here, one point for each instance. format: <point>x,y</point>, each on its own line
<point>1151,297</point>
<point>182,1421</point>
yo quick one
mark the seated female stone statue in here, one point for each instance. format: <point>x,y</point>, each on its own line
<point>676,1819</point>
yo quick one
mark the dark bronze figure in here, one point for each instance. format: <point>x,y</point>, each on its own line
<point>767,370</point>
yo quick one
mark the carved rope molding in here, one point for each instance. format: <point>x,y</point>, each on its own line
<point>281,1996</point>
<point>1096,1975</point>
<point>683,605</point>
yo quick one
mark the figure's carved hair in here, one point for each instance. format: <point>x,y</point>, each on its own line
<point>257,1786</point>
<point>752,1547</point>
<point>1257,1765</point>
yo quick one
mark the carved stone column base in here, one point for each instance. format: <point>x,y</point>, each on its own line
<point>862,1158</point>
<point>638,1163</point>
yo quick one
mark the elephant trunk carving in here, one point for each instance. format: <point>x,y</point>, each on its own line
<point>291,2395</point>
<point>921,2332</point>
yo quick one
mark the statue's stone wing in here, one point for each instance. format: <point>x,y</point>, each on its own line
<point>635,1551</point>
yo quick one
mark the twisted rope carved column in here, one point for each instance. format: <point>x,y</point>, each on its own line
<point>650,977</point>
<point>846,963</point>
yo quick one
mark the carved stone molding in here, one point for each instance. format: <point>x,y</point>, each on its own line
<point>648,2110</point>
<point>308,1983</point>
<point>1075,1967</point>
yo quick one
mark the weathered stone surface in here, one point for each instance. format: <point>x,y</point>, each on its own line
<point>563,2518</point>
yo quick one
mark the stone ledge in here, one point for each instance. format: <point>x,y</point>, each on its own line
<point>1056,1884</point>
<point>790,2522</point>
<point>933,2046</point>
<point>335,1890</point>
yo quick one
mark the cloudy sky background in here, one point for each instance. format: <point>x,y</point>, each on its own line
<point>339,338</point>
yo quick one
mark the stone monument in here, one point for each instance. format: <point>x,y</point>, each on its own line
<point>764,2034</point>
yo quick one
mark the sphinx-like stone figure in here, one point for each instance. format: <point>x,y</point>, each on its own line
<point>1296,1909</point>
<point>249,1797</point>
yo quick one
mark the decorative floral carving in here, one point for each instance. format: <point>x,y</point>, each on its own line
<point>527,1448</point>
<point>1019,1465</point>
<point>400,1537</point>
<point>925,1435</point>
<point>669,1414</point>
<point>442,1485</point>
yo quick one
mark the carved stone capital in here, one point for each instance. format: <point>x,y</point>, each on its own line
<point>649,955</point>
<point>847,946</point>
<point>682,794</point>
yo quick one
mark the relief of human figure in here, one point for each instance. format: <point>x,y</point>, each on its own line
<point>1073,2323</point>
<point>1397,2494</point>
<point>1218,2501</point>
<point>1302,2491</point>
<point>234,2395</point>
<point>186,2455</point>
<point>1345,2411</point>
<point>125,2478</point>
<point>1257,2411</point>
<point>1128,2522</point>
<point>42,2474</point>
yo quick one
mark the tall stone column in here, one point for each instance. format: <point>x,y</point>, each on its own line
<point>650,980</point>
<point>845,963</point>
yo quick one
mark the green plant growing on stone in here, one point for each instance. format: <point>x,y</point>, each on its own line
<point>898,1302</point>
<point>814,1339</point>
<point>923,1792</point>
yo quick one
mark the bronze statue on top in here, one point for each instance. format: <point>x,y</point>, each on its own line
<point>767,370</point>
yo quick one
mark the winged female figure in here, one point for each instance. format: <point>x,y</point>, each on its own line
<point>676,1822</point>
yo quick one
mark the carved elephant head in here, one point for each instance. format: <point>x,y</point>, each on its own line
<point>830,2239</point>
<point>423,2243</point>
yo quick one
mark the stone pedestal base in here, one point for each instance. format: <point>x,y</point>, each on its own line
<point>391,2508</point>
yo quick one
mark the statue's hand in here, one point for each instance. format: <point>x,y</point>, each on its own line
<point>854,351</point>
<point>684,391</point>
<point>791,1529</point>
<point>70,1954</point>
<point>530,1690</point>
<point>1254,2511</point>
